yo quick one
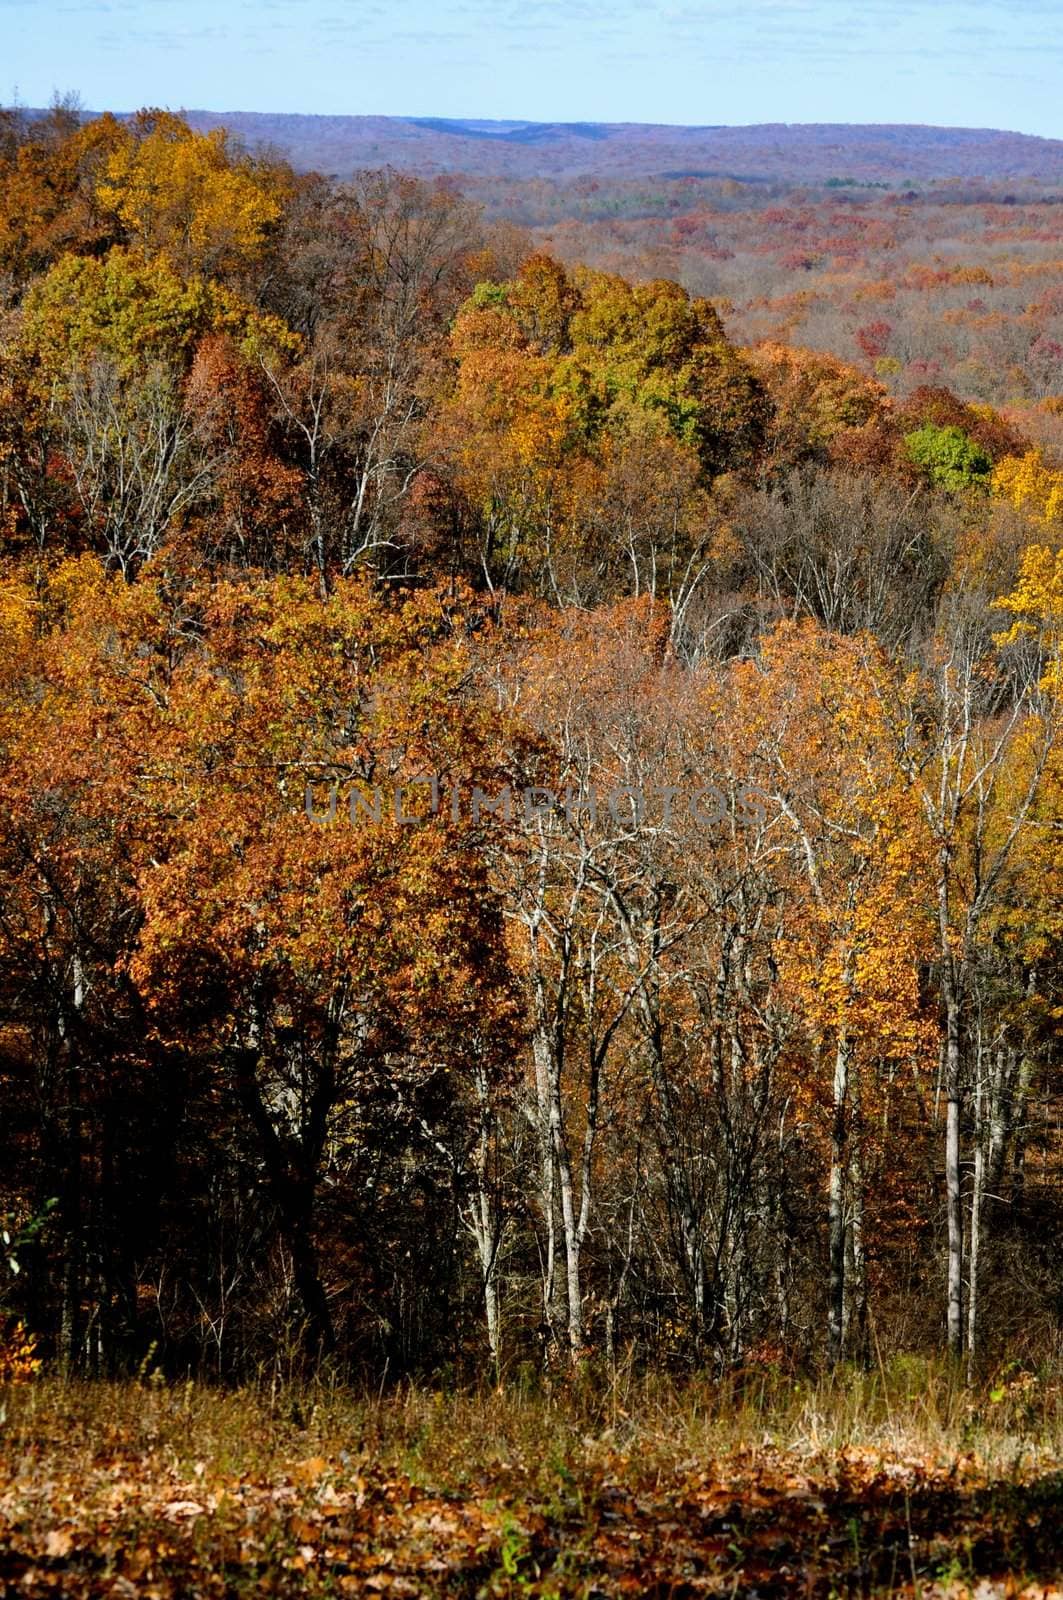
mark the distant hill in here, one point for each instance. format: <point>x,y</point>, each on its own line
<point>811,152</point>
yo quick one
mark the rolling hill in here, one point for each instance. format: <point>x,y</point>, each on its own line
<point>813,152</point>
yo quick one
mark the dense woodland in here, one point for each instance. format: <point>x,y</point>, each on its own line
<point>311,490</point>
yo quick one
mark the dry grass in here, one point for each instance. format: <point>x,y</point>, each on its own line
<point>900,1480</point>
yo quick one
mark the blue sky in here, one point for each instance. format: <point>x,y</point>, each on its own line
<point>977,64</point>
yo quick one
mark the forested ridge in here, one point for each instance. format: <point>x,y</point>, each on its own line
<point>798,152</point>
<point>696,1004</point>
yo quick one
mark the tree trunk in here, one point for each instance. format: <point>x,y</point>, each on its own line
<point>487,1222</point>
<point>952,1173</point>
<point>291,1174</point>
<point>543,1077</point>
<point>71,1203</point>
<point>296,1228</point>
<point>856,1321</point>
<point>836,1226</point>
<point>976,1228</point>
<point>569,1224</point>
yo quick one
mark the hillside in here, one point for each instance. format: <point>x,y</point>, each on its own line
<point>799,152</point>
<point>528,783</point>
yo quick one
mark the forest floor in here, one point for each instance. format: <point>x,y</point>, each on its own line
<point>897,1483</point>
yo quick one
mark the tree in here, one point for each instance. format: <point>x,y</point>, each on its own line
<point>854,941</point>
<point>177,902</point>
<point>305,957</point>
<point>130,311</point>
<point>191,197</point>
<point>107,346</point>
<point>815,399</point>
<point>967,731</point>
<point>49,169</point>
<point>1031,486</point>
<point>949,457</point>
<point>384,277</point>
<point>567,391</point>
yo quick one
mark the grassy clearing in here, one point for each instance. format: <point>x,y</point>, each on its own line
<point>901,1481</point>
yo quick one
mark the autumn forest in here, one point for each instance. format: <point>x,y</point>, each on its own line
<point>531,777</point>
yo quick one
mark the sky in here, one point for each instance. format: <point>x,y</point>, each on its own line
<point>979,63</point>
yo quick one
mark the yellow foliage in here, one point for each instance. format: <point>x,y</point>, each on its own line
<point>18,1361</point>
<point>18,622</point>
<point>189,195</point>
<point>1030,486</point>
<point>133,312</point>
<point>1037,605</point>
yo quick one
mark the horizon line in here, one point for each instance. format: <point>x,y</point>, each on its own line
<point>529,122</point>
